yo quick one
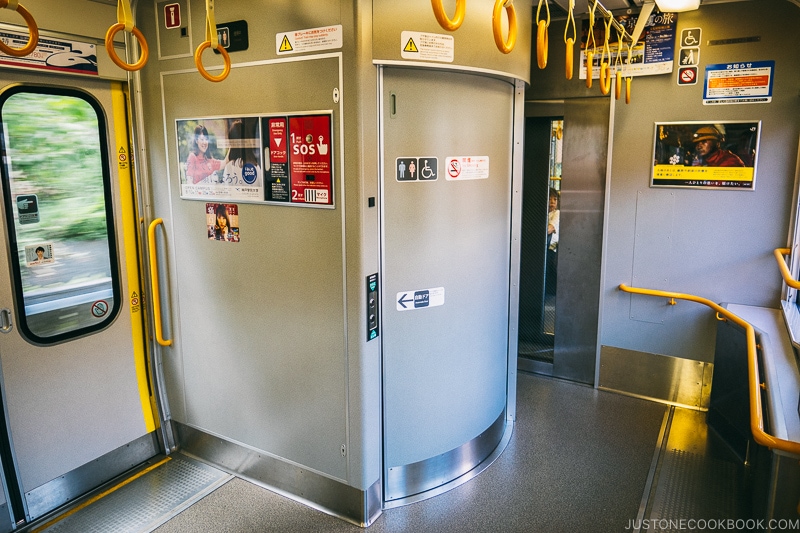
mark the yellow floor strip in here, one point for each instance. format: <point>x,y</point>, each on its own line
<point>101,495</point>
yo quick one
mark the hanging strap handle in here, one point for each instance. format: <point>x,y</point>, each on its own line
<point>605,60</point>
<point>33,30</point>
<point>445,21</point>
<point>570,41</point>
<point>125,22</point>
<point>507,45</point>
<point>541,35</point>
<point>212,41</point>
<point>590,53</point>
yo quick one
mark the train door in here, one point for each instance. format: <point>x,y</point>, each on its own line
<point>75,389</point>
<point>566,144</point>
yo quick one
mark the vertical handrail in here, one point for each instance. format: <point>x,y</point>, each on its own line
<point>756,412</point>
<point>154,287</point>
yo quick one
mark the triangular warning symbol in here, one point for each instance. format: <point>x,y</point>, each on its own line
<point>286,46</point>
<point>122,149</point>
<point>134,295</point>
<point>410,46</point>
<point>278,141</point>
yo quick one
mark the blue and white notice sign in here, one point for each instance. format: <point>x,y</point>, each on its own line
<point>420,299</point>
<point>739,83</point>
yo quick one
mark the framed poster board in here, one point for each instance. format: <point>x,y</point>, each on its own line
<point>706,155</point>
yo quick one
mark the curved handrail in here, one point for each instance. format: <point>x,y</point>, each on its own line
<point>125,22</point>
<point>33,30</point>
<point>756,416</point>
<point>212,41</point>
<point>787,276</point>
<point>154,287</point>
<point>444,21</point>
<point>507,45</point>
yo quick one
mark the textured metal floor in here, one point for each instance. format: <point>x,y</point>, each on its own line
<point>694,477</point>
<point>143,503</point>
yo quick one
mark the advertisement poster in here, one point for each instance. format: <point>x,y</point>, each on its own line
<point>654,51</point>
<point>39,254</point>
<point>739,83</point>
<point>220,158</point>
<point>706,155</point>
<point>51,54</point>
<point>222,221</point>
<point>300,169</point>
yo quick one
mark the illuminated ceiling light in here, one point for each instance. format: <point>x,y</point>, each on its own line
<point>674,6</point>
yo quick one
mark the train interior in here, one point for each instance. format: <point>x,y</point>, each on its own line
<point>510,265</point>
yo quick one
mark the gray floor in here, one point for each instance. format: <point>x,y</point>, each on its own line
<point>578,460</point>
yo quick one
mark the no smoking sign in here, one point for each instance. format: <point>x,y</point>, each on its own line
<point>687,76</point>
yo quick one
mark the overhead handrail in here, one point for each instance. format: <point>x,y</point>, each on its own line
<point>212,41</point>
<point>756,412</point>
<point>787,276</point>
<point>154,287</point>
<point>506,45</point>
<point>125,22</point>
<point>541,35</point>
<point>590,53</point>
<point>33,30</point>
<point>445,21</point>
<point>605,60</point>
<point>570,41</point>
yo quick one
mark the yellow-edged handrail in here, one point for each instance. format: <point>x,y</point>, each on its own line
<point>444,21</point>
<point>756,411</point>
<point>151,237</point>
<point>507,45</point>
<point>787,276</point>
<point>125,22</point>
<point>33,30</point>
<point>212,41</point>
<point>541,35</point>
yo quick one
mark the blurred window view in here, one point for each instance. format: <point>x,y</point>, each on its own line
<point>56,187</point>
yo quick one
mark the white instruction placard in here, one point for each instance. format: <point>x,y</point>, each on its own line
<point>427,46</point>
<point>420,298</point>
<point>310,40</point>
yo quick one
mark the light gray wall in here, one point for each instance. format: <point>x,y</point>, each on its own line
<point>713,243</point>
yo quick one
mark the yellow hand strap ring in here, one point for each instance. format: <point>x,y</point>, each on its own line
<point>33,30</point>
<point>508,45</point>
<point>570,41</point>
<point>125,22</point>
<point>542,36</point>
<point>445,21</point>
<point>212,41</point>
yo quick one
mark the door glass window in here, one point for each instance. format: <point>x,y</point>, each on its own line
<point>58,208</point>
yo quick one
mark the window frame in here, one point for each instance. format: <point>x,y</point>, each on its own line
<point>11,225</point>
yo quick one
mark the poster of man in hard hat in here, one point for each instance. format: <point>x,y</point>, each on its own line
<point>706,155</point>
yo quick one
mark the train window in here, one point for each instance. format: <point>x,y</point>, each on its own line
<point>59,215</point>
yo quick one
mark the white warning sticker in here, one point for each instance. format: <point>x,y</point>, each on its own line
<point>427,46</point>
<point>311,40</point>
<point>467,167</point>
